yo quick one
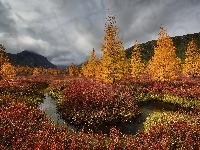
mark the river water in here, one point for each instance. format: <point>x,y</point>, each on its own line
<point>131,127</point>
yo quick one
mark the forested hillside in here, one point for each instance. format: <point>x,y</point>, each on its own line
<point>180,42</point>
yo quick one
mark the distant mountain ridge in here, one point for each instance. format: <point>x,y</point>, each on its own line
<point>29,58</point>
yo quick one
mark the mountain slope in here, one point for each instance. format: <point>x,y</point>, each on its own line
<point>30,59</point>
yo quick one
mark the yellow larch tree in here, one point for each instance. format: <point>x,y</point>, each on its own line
<point>91,65</point>
<point>73,70</point>
<point>114,62</point>
<point>191,66</point>
<point>3,57</point>
<point>55,72</point>
<point>164,65</point>
<point>83,70</point>
<point>50,71</point>
<point>8,71</point>
<point>98,70</point>
<point>137,66</point>
<point>36,72</point>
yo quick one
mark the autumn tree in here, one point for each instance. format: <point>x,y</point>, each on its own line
<point>114,64</point>
<point>3,57</point>
<point>73,70</point>
<point>83,70</point>
<point>137,66</point>
<point>164,65</point>
<point>36,72</point>
<point>98,70</point>
<point>55,72</point>
<point>191,66</point>
<point>91,65</point>
<point>8,71</point>
<point>50,71</point>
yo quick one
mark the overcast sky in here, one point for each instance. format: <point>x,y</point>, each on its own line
<point>66,31</point>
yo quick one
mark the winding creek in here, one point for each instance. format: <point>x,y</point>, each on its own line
<point>147,108</point>
<point>49,107</point>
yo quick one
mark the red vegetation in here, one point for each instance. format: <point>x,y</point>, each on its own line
<point>97,102</point>
<point>26,127</point>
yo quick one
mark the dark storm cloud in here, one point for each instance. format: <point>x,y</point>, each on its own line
<point>7,23</point>
<point>66,31</point>
<point>143,18</point>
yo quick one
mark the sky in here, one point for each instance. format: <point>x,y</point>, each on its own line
<point>66,31</point>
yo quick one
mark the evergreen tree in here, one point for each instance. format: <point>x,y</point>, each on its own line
<point>164,66</point>
<point>137,66</point>
<point>191,66</point>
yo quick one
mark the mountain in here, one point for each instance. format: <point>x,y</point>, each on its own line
<point>180,42</point>
<point>30,59</point>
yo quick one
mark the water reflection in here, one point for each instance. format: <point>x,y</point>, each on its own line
<point>146,109</point>
<point>49,106</point>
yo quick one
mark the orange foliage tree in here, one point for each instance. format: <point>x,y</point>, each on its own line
<point>3,57</point>
<point>73,70</point>
<point>191,66</point>
<point>114,64</point>
<point>7,71</point>
<point>91,65</point>
<point>137,66</point>
<point>36,72</point>
<point>164,65</point>
<point>98,69</point>
<point>83,70</point>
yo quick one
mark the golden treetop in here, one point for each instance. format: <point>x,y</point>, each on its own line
<point>112,43</point>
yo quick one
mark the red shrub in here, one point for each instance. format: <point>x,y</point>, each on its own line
<point>89,101</point>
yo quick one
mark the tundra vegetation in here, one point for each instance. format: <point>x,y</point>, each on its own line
<point>104,90</point>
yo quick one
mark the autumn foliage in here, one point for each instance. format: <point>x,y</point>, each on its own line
<point>192,61</point>
<point>36,72</point>
<point>114,64</point>
<point>26,127</point>
<point>114,99</point>
<point>137,66</point>
<point>94,103</point>
<point>88,69</point>
<point>165,65</point>
<point>73,70</point>
<point>7,71</point>
<point>3,57</point>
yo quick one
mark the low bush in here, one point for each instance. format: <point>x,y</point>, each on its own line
<point>97,102</point>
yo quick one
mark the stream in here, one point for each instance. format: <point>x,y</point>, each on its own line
<point>131,127</point>
<point>49,107</point>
